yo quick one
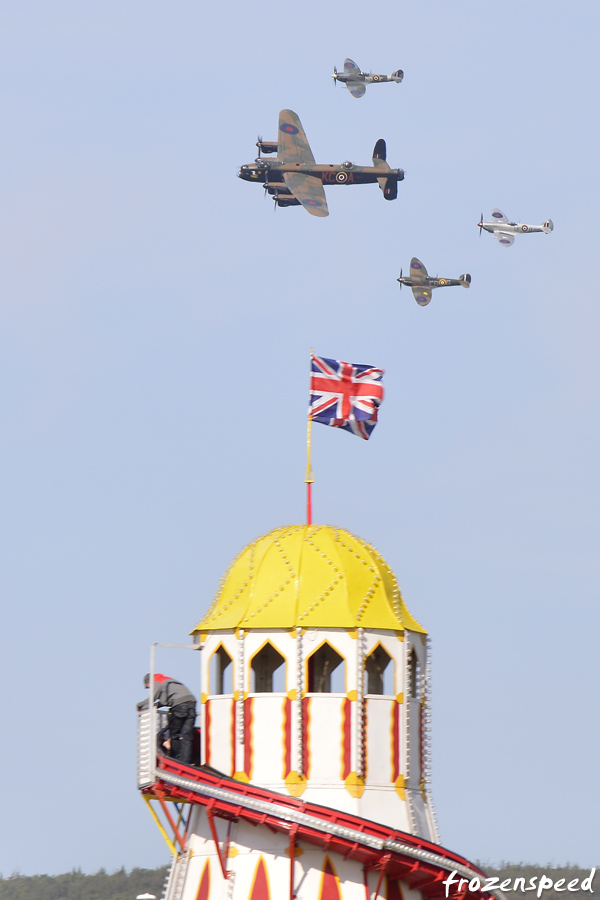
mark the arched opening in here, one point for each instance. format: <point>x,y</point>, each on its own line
<point>414,675</point>
<point>380,672</point>
<point>221,672</point>
<point>268,671</point>
<point>322,665</point>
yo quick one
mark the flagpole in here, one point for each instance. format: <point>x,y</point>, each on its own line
<point>308,478</point>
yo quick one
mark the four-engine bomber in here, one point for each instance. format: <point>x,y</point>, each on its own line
<point>295,179</point>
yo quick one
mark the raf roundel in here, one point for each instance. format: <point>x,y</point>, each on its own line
<point>341,177</point>
<point>312,203</point>
<point>417,265</point>
<point>288,128</point>
<point>497,215</point>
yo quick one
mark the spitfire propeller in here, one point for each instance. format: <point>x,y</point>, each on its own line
<point>335,76</point>
<point>480,225</point>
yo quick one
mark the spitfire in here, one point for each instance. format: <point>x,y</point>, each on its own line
<point>357,81</point>
<point>504,231</point>
<point>294,179</point>
<point>422,284</point>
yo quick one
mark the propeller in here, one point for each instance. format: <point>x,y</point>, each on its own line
<point>335,76</point>
<point>480,225</point>
<point>399,282</point>
<point>259,143</point>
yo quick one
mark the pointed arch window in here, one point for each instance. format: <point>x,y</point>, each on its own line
<point>268,671</point>
<point>221,672</point>
<point>380,672</point>
<point>326,671</point>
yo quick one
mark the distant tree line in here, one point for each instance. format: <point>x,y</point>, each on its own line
<point>124,885</point>
<point>75,885</point>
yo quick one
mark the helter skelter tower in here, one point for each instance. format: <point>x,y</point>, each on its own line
<point>314,713</point>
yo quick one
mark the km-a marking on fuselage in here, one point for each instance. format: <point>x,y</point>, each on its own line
<point>294,179</point>
<point>356,81</point>
<point>504,231</point>
<point>422,284</point>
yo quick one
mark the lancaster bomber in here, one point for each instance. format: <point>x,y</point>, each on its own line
<point>357,81</point>
<point>504,231</point>
<point>422,284</point>
<point>294,179</point>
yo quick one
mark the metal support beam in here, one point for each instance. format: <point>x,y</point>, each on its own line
<point>222,859</point>
<point>172,824</point>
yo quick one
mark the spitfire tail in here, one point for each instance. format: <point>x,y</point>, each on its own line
<point>465,280</point>
<point>399,75</point>
<point>548,226</point>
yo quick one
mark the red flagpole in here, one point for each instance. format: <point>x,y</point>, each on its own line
<point>308,478</point>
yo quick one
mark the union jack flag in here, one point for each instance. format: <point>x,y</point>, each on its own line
<point>345,396</point>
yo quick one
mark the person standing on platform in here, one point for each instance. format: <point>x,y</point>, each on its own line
<point>181,704</point>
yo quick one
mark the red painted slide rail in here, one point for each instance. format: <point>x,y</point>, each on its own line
<point>419,863</point>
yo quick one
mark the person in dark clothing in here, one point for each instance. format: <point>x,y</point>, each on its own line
<point>181,716</point>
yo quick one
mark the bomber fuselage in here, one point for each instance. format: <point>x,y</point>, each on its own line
<point>272,171</point>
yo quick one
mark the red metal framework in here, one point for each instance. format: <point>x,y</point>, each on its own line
<point>400,856</point>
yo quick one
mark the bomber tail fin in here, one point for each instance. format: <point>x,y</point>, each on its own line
<point>380,150</point>
<point>389,186</point>
<point>465,280</point>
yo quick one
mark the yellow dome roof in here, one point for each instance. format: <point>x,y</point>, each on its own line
<point>309,576</point>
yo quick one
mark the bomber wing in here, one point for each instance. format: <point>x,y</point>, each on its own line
<point>357,90</point>
<point>504,238</point>
<point>422,295</point>
<point>293,145</point>
<point>418,270</point>
<point>308,189</point>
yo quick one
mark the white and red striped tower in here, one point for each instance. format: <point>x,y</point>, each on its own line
<point>314,723</point>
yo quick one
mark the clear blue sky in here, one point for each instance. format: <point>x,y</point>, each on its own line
<point>155,323</point>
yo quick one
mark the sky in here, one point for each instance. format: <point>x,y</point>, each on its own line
<point>156,317</point>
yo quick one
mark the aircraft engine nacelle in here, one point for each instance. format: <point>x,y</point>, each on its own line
<point>267,146</point>
<point>287,201</point>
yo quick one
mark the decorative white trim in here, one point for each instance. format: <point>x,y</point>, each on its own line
<point>361,731</point>
<point>427,741</point>
<point>299,692</point>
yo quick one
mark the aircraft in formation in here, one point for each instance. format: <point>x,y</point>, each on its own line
<point>422,284</point>
<point>294,179</point>
<point>357,81</point>
<point>504,231</point>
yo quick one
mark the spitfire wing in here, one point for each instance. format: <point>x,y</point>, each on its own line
<point>504,238</point>
<point>293,146</point>
<point>422,295</point>
<point>357,90</point>
<point>499,217</point>
<point>350,67</point>
<point>417,269</point>
<point>308,189</point>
